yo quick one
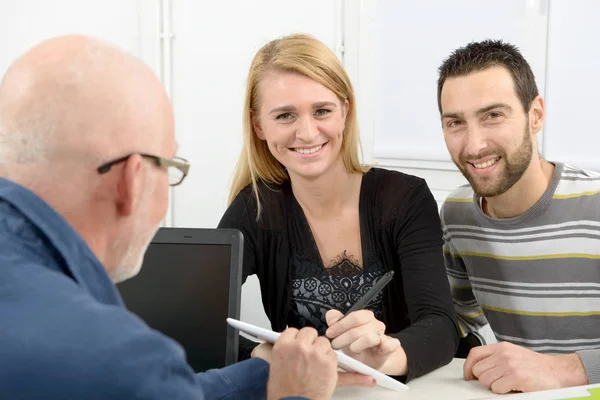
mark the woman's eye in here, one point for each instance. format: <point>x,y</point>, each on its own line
<point>321,112</point>
<point>284,116</point>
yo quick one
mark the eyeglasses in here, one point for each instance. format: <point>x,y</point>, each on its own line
<point>177,168</point>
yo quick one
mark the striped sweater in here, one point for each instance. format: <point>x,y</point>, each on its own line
<point>534,278</point>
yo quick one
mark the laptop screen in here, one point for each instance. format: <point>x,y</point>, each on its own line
<point>183,291</point>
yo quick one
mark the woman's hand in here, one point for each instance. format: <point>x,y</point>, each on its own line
<point>362,336</point>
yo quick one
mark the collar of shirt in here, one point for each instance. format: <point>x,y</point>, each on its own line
<point>60,244</point>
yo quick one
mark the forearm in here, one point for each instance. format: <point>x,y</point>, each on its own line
<point>466,344</point>
<point>590,360</point>
<point>244,380</point>
<point>432,338</point>
<point>428,344</point>
<point>396,365</point>
<point>569,370</point>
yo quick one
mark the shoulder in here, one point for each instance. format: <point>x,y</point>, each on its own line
<point>576,180</point>
<point>79,345</point>
<point>577,172</point>
<point>457,202</point>
<point>245,207</point>
<point>576,196</point>
<point>392,188</point>
<point>268,193</point>
<point>462,194</point>
<point>392,185</point>
<point>393,195</point>
<point>390,179</point>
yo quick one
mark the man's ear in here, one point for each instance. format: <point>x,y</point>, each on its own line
<point>256,125</point>
<point>130,185</point>
<point>537,114</point>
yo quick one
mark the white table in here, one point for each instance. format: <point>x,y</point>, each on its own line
<point>445,383</point>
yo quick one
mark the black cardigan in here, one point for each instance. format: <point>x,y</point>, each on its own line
<point>399,225</point>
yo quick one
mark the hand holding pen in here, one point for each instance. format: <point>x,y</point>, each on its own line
<point>360,335</point>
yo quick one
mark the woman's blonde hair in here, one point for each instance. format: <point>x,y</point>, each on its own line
<point>302,54</point>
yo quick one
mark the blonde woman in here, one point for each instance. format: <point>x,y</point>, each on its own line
<point>320,228</point>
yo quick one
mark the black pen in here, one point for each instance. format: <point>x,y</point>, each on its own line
<point>370,295</point>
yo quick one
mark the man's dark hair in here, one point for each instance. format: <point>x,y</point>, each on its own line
<point>478,56</point>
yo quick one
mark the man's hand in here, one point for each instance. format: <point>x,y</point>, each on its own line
<point>505,367</point>
<point>264,351</point>
<point>302,364</point>
<point>361,336</point>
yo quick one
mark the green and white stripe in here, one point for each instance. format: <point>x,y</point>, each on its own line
<point>534,278</point>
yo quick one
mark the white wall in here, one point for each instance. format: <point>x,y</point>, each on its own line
<point>573,83</point>
<point>128,23</point>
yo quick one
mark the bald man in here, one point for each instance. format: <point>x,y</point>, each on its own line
<point>86,158</point>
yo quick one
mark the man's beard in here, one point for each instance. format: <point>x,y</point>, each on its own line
<point>131,262</point>
<point>514,168</point>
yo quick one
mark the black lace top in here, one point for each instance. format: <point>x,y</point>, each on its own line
<point>399,229</point>
<point>316,290</point>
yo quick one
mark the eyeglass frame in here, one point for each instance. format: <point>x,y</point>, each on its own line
<point>180,163</point>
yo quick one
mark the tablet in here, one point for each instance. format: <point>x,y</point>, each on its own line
<point>345,362</point>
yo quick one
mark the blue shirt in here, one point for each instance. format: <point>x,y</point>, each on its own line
<point>65,333</point>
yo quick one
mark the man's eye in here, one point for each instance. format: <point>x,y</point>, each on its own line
<point>454,124</point>
<point>493,115</point>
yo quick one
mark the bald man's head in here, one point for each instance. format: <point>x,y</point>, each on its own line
<point>70,105</point>
<point>74,99</point>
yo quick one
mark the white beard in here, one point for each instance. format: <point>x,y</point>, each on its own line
<point>132,260</point>
<point>130,264</point>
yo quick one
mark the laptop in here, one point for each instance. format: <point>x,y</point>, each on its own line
<point>188,286</point>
